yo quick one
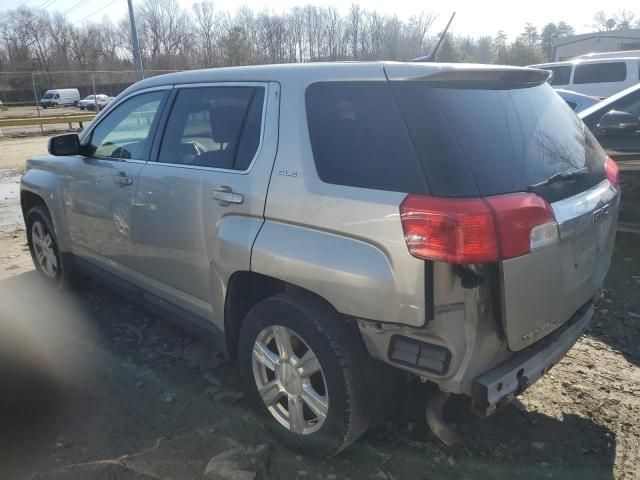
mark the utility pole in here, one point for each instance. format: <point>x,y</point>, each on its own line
<point>137,57</point>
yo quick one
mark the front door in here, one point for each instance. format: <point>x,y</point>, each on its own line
<point>99,190</point>
<point>200,205</point>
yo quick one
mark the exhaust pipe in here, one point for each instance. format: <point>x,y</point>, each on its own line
<point>441,429</point>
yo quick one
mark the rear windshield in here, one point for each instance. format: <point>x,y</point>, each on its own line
<point>561,75</point>
<point>600,73</point>
<point>462,142</point>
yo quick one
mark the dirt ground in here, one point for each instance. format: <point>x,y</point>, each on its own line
<point>32,111</point>
<point>94,387</point>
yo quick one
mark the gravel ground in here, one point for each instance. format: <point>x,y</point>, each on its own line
<point>95,387</point>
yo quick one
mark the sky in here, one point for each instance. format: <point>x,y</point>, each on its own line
<point>473,17</point>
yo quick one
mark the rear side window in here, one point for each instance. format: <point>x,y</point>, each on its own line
<point>216,127</point>
<point>359,138</point>
<point>561,75</point>
<point>600,72</point>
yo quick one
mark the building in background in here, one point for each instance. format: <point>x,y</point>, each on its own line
<point>566,48</point>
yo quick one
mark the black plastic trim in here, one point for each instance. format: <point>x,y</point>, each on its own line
<point>446,362</point>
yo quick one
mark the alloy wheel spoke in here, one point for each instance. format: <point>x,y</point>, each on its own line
<point>265,356</point>
<point>53,260</point>
<point>308,364</point>
<point>296,414</point>
<point>40,255</point>
<point>270,393</point>
<point>283,342</point>
<point>318,404</point>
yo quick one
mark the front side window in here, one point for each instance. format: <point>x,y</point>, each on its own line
<point>561,75</point>
<point>124,133</point>
<point>216,127</point>
<point>600,73</point>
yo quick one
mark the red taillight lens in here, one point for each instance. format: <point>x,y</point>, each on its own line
<point>612,172</point>
<point>449,230</point>
<point>480,230</point>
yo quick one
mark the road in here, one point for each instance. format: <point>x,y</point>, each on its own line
<point>94,387</point>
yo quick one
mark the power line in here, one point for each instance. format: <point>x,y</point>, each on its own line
<point>95,11</point>
<point>46,4</point>
<point>75,6</point>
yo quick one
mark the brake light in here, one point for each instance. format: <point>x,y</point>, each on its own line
<point>612,172</point>
<point>479,230</point>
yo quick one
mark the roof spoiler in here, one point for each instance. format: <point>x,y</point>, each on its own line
<point>495,78</point>
<point>432,56</point>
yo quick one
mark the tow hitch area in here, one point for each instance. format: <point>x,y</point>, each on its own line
<point>503,383</point>
<point>441,429</point>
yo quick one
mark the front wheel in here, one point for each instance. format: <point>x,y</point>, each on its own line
<point>43,245</point>
<point>299,362</point>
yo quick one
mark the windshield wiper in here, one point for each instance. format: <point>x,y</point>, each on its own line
<point>559,177</point>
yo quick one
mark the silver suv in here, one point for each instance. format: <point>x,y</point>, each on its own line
<point>337,224</point>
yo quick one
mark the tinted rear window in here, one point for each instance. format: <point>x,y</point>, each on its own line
<point>489,142</point>
<point>451,142</point>
<point>561,75</point>
<point>359,139</point>
<point>600,73</point>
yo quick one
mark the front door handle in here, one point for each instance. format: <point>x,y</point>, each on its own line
<point>225,196</point>
<point>121,178</point>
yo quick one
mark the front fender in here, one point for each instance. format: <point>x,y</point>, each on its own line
<point>48,186</point>
<point>356,277</point>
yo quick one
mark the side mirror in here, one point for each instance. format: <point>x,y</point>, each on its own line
<point>67,144</point>
<point>618,123</point>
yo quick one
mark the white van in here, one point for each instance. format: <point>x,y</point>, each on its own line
<point>598,77</point>
<point>60,97</point>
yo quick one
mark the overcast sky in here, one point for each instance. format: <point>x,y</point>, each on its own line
<point>473,17</point>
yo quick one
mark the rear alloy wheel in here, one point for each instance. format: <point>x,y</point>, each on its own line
<point>301,366</point>
<point>290,380</point>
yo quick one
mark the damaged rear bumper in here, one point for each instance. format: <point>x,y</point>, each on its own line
<point>503,383</point>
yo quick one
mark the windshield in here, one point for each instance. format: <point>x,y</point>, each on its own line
<point>47,95</point>
<point>608,101</point>
<point>90,97</point>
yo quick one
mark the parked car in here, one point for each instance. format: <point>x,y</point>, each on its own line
<point>100,103</point>
<point>598,77</point>
<point>577,101</point>
<point>91,100</point>
<point>340,225</point>
<point>615,122</point>
<point>62,97</point>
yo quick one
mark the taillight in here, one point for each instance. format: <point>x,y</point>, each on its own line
<point>612,172</point>
<point>479,230</point>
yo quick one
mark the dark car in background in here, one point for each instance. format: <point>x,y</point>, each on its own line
<point>615,122</point>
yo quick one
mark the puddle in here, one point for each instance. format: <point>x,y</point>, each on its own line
<point>10,212</point>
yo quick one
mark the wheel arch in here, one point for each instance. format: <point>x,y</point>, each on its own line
<point>244,290</point>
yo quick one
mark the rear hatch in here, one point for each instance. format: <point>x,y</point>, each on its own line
<point>490,133</point>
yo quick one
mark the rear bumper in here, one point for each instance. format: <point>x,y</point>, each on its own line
<point>504,382</point>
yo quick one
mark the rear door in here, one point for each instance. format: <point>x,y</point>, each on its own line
<point>624,148</point>
<point>201,204</point>
<point>486,133</point>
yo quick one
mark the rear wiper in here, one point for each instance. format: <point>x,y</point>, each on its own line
<point>559,177</point>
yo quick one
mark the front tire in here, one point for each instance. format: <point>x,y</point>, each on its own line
<point>52,266</point>
<point>300,365</point>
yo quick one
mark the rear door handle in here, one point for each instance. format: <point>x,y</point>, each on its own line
<point>121,178</point>
<point>225,196</point>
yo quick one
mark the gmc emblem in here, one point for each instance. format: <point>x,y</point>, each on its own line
<point>600,213</point>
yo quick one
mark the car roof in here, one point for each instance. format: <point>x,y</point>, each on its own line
<point>307,72</point>
<point>578,61</point>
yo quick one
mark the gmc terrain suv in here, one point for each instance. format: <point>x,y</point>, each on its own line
<point>332,221</point>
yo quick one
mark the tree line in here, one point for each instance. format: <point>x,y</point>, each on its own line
<point>174,38</point>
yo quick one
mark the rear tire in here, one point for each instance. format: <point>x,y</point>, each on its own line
<point>319,414</point>
<point>54,268</point>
